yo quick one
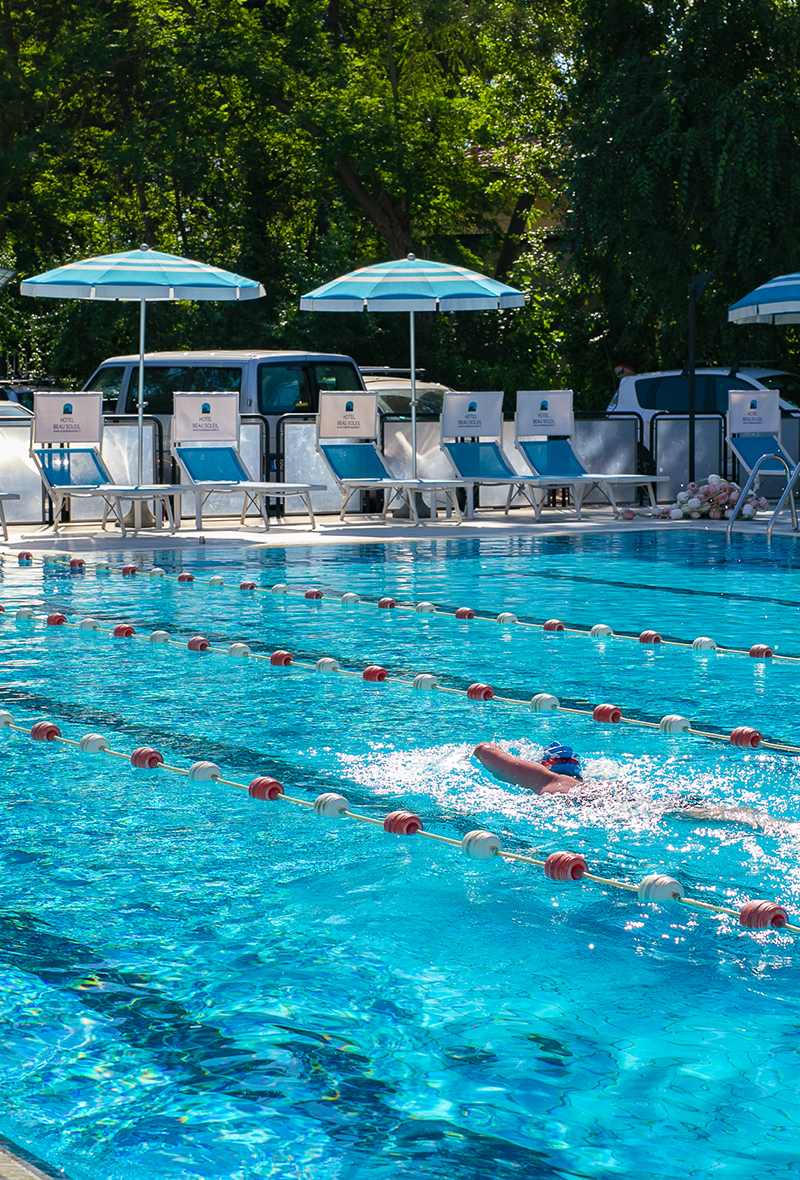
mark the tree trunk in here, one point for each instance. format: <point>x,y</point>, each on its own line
<point>388,214</point>
<point>509,251</point>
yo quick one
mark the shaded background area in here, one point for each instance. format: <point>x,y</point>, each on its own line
<point>596,154</point>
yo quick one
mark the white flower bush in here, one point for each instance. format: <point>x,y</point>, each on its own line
<point>715,499</point>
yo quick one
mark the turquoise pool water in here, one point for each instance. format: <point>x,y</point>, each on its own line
<point>195,984</point>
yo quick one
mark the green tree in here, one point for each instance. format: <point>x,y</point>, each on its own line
<point>289,142</point>
<point>681,160</point>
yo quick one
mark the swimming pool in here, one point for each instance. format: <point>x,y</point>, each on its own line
<point>197,984</point>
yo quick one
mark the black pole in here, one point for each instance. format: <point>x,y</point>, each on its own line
<point>692,316</point>
<point>697,285</point>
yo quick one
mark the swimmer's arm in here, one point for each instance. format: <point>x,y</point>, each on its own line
<point>530,775</point>
<point>746,817</point>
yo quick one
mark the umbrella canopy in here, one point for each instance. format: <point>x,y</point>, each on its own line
<point>775,302</point>
<point>141,275</point>
<point>412,284</point>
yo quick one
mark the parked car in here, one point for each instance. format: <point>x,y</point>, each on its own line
<point>649,394</point>
<point>393,387</point>
<point>13,409</point>
<point>271,383</point>
<point>19,391</point>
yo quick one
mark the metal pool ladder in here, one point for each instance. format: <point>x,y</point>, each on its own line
<point>787,495</point>
<point>791,477</point>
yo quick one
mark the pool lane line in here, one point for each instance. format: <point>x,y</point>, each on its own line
<point>216,582</point>
<point>478,844</point>
<point>540,702</point>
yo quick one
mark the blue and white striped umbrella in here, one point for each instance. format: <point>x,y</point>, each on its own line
<point>412,284</point>
<point>775,302</point>
<point>141,274</point>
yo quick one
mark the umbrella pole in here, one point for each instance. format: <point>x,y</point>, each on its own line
<point>413,399</point>
<point>140,468</point>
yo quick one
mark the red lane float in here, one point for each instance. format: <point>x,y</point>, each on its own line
<point>508,768</point>
<point>123,631</point>
<point>758,915</point>
<point>386,604</point>
<point>402,823</point>
<point>247,585</point>
<point>129,571</point>
<point>198,643</point>
<point>609,714</point>
<point>314,595</point>
<point>2,610</point>
<point>760,651</point>
<point>281,659</point>
<point>480,692</point>
<point>56,620</point>
<point>77,565</point>
<point>185,577</point>
<point>465,612</point>
<point>649,637</point>
<point>25,558</point>
<point>553,625</point>
<point>146,758</point>
<point>744,736</point>
<point>264,787</point>
<point>565,866</point>
<point>375,674</point>
<point>45,731</point>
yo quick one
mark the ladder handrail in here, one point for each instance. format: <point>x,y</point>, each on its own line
<point>787,494</point>
<point>750,481</point>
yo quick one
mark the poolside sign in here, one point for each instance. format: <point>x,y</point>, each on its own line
<point>754,411</point>
<point>348,415</point>
<point>544,411</point>
<point>208,417</point>
<point>470,415</point>
<point>67,417</point>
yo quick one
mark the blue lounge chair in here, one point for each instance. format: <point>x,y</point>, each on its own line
<point>347,441</point>
<point>210,459</point>
<point>754,424</point>
<point>549,413</point>
<point>471,429</point>
<point>76,470</point>
<point>80,473</point>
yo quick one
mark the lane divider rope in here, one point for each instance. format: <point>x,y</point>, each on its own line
<point>561,866</point>
<point>607,714</point>
<point>648,637</point>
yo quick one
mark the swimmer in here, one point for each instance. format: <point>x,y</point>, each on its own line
<point>557,773</point>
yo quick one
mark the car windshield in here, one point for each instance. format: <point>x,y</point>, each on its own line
<point>109,383</point>
<point>398,401</point>
<point>787,384</point>
<point>336,375</point>
<point>14,410</point>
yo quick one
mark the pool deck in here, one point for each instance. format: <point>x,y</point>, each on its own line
<point>489,524</point>
<point>16,1164</point>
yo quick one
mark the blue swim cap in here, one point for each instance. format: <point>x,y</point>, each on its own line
<point>561,760</point>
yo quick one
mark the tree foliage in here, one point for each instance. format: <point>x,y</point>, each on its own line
<point>294,141</point>
<point>289,142</point>
<point>681,161</point>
